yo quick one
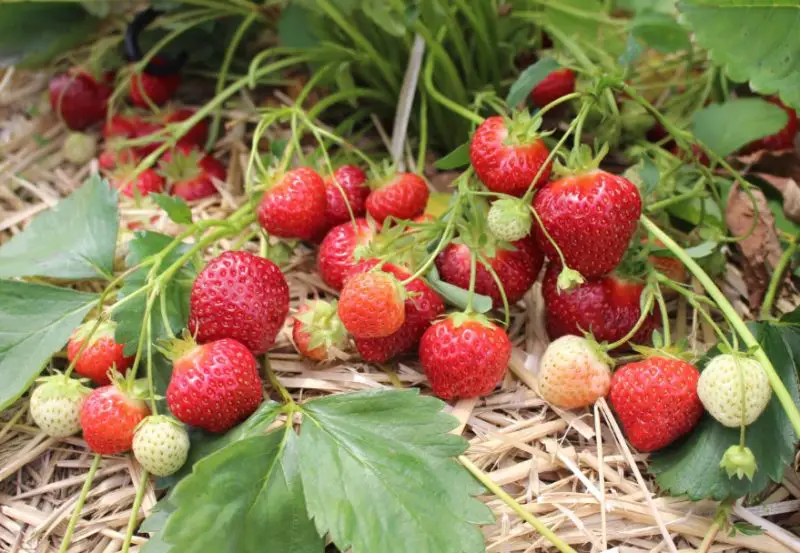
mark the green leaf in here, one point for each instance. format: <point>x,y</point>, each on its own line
<point>660,31</point>
<point>381,13</point>
<point>725,128</point>
<point>245,498</point>
<point>754,40</point>
<point>74,240</point>
<point>704,249</point>
<point>154,524</point>
<point>35,322</point>
<point>584,20</point>
<point>389,450</point>
<point>528,80</point>
<point>294,28</point>
<point>177,209</point>
<point>130,316</point>
<point>455,159</point>
<point>457,296</point>
<point>692,466</point>
<point>33,33</point>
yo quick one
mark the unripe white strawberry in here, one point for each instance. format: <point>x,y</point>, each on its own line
<point>161,445</point>
<point>574,372</point>
<point>56,405</point>
<point>509,219</point>
<point>734,389</point>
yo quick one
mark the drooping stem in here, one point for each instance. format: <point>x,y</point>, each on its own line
<point>137,504</point>
<point>76,512</point>
<point>635,328</point>
<point>473,262</point>
<point>777,279</point>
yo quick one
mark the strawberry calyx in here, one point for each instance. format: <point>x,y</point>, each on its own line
<point>182,166</point>
<point>601,350</point>
<point>383,175</point>
<point>135,392</point>
<point>670,352</point>
<point>523,129</point>
<point>580,161</point>
<point>158,419</point>
<point>61,386</point>
<point>321,322</point>
<point>569,279</point>
<point>87,331</point>
<point>461,317</point>
<point>739,461</point>
<point>179,348</point>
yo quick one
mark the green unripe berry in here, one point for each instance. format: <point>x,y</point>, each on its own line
<point>509,219</point>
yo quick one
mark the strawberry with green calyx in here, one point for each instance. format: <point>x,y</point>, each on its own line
<point>190,174</point>
<point>339,251</point>
<point>139,186</point>
<point>317,330</point>
<point>112,157</point>
<point>56,405</point>
<point>556,85</point>
<point>294,205</point>
<point>94,351</point>
<point>508,154</point>
<point>574,372</point>
<point>110,415</point>
<point>371,304</point>
<point>161,445</point>
<point>464,355</point>
<point>509,219</point>
<point>401,196</point>
<point>79,148</point>
<point>78,98</point>
<point>739,461</point>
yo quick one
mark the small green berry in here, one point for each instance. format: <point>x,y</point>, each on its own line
<point>161,445</point>
<point>509,219</point>
<point>79,148</point>
<point>56,405</point>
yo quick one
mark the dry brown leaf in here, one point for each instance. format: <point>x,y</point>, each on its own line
<point>790,191</point>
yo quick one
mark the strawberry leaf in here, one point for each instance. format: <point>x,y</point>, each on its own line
<point>35,322</point>
<point>526,82</point>
<point>177,209</point>
<point>691,467</point>
<point>389,450</point>
<point>725,128</point>
<point>660,31</point>
<point>455,159</point>
<point>456,296</point>
<point>74,240</point>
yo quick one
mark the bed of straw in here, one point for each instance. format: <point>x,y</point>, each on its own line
<point>571,469</point>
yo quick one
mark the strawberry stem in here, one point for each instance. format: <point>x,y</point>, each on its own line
<point>144,478</point>
<point>632,332</point>
<point>473,262</point>
<point>276,384</point>
<point>777,278</point>
<point>662,308</point>
<point>76,512</point>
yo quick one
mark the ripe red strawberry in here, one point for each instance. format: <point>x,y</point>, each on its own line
<point>109,417</point>
<point>146,89</point>
<point>241,296</point>
<point>146,182</point>
<point>337,253</point>
<point>213,386</point>
<point>190,173</point>
<point>371,304</point>
<point>555,85</point>
<point>402,196</point>
<point>422,306</point>
<point>295,206</point>
<point>608,307</point>
<point>79,99</point>
<point>516,268</point>
<point>197,134</point>
<point>352,181</point>
<point>464,356</point>
<point>133,126</point>
<point>120,126</point>
<point>591,216</point>
<point>656,401</point>
<point>316,329</point>
<point>507,155</point>
<point>110,158</point>
<point>781,140</point>
<point>100,354</point>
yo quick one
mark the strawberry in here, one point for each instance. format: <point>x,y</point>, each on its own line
<point>56,405</point>
<point>101,353</point>
<point>509,219</point>
<point>422,306</point>
<point>213,386</point>
<point>371,304</point>
<point>196,135</point>
<point>295,206</point>
<point>656,401</point>
<point>190,173</point>
<point>464,356</point>
<point>671,267</point>
<point>161,445</point>
<point>352,181</point>
<point>79,99</point>
<point>121,126</point>
<point>109,417</point>
<point>591,216</point>
<point>574,373</point>
<point>79,148</point>
<point>734,389</point>
<point>146,182</point>
<point>241,296</point>
<point>607,307</point>
<point>516,267</point>
<point>507,155</point>
<point>781,140</point>
<point>317,329</point>
<point>337,253</point>
<point>146,89</point>
<point>402,196</point>
<point>111,158</point>
<point>555,85</point>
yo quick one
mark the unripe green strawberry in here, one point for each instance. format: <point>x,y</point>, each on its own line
<point>573,373</point>
<point>161,445</point>
<point>509,219</point>
<point>56,405</point>
<point>734,389</point>
<point>79,148</point>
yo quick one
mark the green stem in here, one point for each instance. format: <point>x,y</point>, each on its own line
<point>276,384</point>
<point>473,269</point>
<point>734,320</point>
<point>662,307</point>
<point>443,100</point>
<point>777,279</point>
<point>137,504</point>
<point>76,512</point>
<point>632,332</point>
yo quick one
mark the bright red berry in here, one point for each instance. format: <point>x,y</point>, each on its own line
<point>781,140</point>
<point>591,216</point>
<point>337,253</point>
<point>241,296</point>
<point>197,134</point>
<point>215,385</point>
<point>110,159</point>
<point>402,196</point>
<point>101,352</point>
<point>557,84</point>
<point>120,126</point>
<point>353,182</point>
<point>464,356</point>
<point>656,401</point>
<point>507,155</point>
<point>295,206</point>
<point>190,173</point>
<point>516,269</point>
<point>146,89</point>
<point>145,182</point>
<point>109,417</point>
<point>317,330</point>
<point>79,99</point>
<point>371,304</point>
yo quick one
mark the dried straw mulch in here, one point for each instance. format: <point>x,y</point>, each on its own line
<point>572,469</point>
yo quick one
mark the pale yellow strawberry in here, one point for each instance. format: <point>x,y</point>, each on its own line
<point>574,372</point>
<point>734,389</point>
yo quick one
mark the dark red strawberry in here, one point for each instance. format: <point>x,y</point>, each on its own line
<point>121,126</point>
<point>295,206</point>
<point>337,253</point>
<point>146,89</point>
<point>516,268</point>
<point>190,173</point>
<point>134,126</point>
<point>402,196</point>
<point>592,217</point>
<point>608,307</point>
<point>507,155</point>
<point>79,99</point>
<point>781,140</point>
<point>557,84</point>
<point>241,296</point>
<point>197,134</point>
<point>146,182</point>
<point>352,181</point>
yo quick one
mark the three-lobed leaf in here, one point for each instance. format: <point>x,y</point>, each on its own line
<point>725,128</point>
